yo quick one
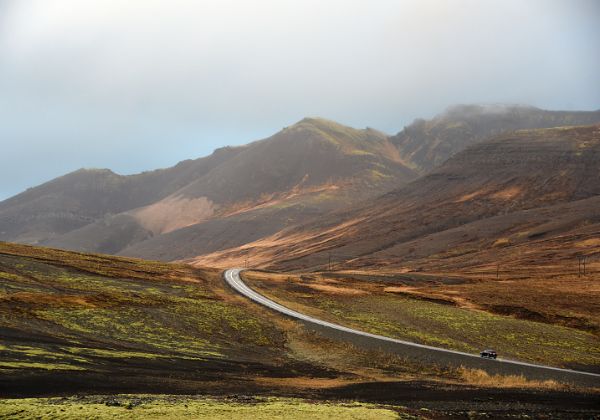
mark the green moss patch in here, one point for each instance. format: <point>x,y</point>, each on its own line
<point>74,311</point>
<point>446,326</point>
<point>167,407</point>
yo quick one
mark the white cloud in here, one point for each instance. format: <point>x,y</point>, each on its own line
<point>187,76</point>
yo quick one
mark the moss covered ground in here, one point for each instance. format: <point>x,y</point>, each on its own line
<point>437,324</point>
<point>171,407</point>
<point>76,324</point>
<point>71,315</point>
<point>87,311</point>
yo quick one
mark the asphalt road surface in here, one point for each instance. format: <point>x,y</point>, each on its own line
<point>407,348</point>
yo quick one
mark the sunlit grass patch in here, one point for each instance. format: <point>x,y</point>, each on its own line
<point>10,365</point>
<point>445,325</point>
<point>481,378</point>
<point>30,357</point>
<point>176,407</point>
<point>88,319</point>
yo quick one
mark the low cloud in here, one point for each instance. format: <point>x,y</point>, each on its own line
<point>141,84</point>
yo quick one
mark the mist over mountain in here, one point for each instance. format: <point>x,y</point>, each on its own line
<point>501,190</point>
<point>240,195</point>
<point>142,85</point>
<point>428,143</point>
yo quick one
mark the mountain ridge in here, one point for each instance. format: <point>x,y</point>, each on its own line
<point>505,175</point>
<point>309,167</point>
<point>428,143</point>
<point>242,194</point>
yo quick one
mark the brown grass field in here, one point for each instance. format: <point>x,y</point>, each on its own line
<point>555,323</point>
<point>88,324</point>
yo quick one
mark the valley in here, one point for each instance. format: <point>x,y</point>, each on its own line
<point>473,240</point>
<point>94,324</point>
<point>421,313</point>
<point>300,210</point>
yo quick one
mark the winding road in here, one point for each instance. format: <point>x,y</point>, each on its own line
<point>408,348</point>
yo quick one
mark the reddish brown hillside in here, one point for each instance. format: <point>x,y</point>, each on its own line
<point>234,196</point>
<point>300,173</point>
<point>531,169</point>
<point>429,143</point>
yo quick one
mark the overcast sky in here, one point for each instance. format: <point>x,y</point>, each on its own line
<point>140,84</point>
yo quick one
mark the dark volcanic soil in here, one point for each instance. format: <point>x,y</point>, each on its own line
<point>431,399</point>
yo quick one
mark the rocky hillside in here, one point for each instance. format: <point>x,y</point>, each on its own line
<point>85,196</point>
<point>514,188</point>
<point>240,195</point>
<point>429,143</point>
<point>299,173</point>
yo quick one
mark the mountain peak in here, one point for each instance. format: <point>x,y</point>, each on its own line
<point>428,143</point>
<point>99,171</point>
<point>486,108</point>
<point>317,122</point>
<point>331,127</point>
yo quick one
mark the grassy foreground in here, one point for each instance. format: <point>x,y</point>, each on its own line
<point>71,311</point>
<point>119,329</point>
<point>73,322</point>
<point>174,407</point>
<point>383,308</point>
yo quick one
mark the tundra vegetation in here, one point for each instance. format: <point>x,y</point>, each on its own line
<point>176,407</point>
<point>385,307</point>
<point>116,329</point>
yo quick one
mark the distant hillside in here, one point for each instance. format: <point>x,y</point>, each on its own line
<point>512,189</point>
<point>428,143</point>
<point>85,196</point>
<point>240,195</point>
<point>301,172</point>
<point>304,171</point>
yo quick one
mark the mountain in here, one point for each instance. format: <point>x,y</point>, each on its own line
<point>240,195</point>
<point>299,173</point>
<point>496,198</point>
<point>426,144</point>
<point>80,198</point>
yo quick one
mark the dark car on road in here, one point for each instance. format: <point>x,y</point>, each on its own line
<point>488,354</point>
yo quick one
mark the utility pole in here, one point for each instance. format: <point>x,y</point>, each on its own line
<point>582,265</point>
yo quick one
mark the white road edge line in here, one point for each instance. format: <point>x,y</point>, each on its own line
<point>233,279</point>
